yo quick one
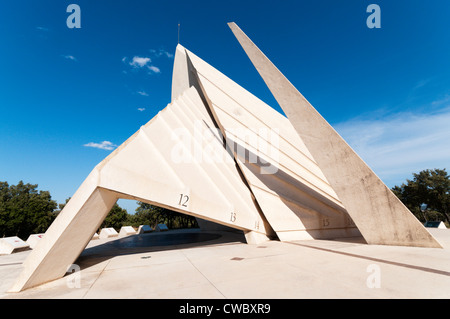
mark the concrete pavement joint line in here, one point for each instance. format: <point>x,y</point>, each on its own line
<point>203,274</point>
<point>431,270</point>
<point>87,291</point>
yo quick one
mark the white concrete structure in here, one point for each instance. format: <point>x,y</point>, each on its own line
<point>95,236</point>
<point>108,233</point>
<point>219,153</point>
<point>127,231</point>
<point>10,245</point>
<point>308,269</point>
<point>442,226</point>
<point>161,227</point>
<point>34,239</point>
<point>143,229</point>
<point>286,182</point>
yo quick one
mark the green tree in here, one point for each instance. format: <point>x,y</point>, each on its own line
<point>147,214</point>
<point>116,218</point>
<point>431,187</point>
<point>24,210</point>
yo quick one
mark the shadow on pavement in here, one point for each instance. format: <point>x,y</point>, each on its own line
<point>157,241</point>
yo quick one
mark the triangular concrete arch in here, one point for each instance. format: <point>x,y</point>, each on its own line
<point>147,168</point>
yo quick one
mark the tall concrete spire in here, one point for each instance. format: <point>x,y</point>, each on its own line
<point>379,215</point>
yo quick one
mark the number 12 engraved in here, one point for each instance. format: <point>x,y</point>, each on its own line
<point>183,200</point>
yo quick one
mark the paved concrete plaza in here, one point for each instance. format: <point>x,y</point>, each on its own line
<point>185,264</point>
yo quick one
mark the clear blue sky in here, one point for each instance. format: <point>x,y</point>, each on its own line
<point>387,91</point>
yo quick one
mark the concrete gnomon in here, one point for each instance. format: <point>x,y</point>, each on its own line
<point>232,160</point>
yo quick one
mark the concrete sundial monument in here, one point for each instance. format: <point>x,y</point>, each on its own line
<point>219,153</point>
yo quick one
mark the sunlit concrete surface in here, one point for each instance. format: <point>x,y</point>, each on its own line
<point>231,183</point>
<point>184,264</point>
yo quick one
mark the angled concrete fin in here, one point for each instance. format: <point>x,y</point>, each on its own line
<point>378,213</point>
